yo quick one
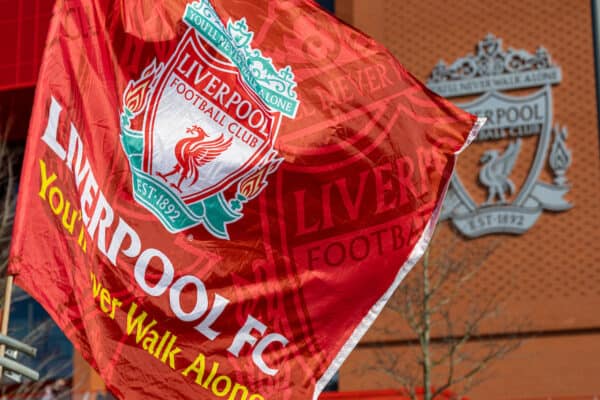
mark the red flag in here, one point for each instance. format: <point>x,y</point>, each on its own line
<point>218,197</point>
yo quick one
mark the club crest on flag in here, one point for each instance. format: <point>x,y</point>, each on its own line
<point>199,129</point>
<point>515,145</point>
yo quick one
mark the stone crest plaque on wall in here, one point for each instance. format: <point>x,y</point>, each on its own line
<point>519,135</point>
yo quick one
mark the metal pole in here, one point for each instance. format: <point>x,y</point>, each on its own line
<point>18,345</point>
<point>19,369</point>
<point>5,315</point>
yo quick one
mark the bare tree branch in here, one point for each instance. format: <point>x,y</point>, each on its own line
<point>427,302</point>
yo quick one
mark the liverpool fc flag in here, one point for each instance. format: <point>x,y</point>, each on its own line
<point>219,196</point>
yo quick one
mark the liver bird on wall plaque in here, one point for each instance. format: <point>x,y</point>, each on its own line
<point>496,169</point>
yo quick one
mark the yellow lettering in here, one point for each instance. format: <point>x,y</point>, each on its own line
<point>225,389</point>
<point>237,387</point>
<point>138,323</point>
<point>213,372</point>
<point>105,300</point>
<point>198,367</point>
<point>115,304</point>
<point>46,181</point>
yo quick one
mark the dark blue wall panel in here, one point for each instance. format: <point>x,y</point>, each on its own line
<point>327,4</point>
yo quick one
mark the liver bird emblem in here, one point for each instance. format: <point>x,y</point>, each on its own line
<point>192,153</point>
<point>495,172</point>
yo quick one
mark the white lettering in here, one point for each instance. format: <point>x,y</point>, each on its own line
<point>51,129</point>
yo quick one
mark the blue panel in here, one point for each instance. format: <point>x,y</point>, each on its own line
<point>30,323</point>
<point>327,4</point>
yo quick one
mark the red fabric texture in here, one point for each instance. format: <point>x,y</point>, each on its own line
<point>365,163</point>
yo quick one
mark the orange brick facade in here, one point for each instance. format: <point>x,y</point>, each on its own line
<point>548,278</point>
